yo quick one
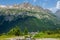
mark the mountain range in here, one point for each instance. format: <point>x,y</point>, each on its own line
<point>34,18</point>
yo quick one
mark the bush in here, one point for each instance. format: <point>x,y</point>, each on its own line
<point>0,34</point>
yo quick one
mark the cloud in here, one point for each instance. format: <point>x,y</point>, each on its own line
<point>53,9</point>
<point>58,5</point>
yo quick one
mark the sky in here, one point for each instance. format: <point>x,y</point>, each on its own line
<point>52,5</point>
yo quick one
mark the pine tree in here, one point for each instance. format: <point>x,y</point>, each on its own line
<point>25,31</point>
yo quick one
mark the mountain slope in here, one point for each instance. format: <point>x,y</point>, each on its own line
<point>34,18</point>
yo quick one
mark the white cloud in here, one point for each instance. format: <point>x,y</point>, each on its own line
<point>58,5</point>
<point>53,9</point>
<point>2,6</point>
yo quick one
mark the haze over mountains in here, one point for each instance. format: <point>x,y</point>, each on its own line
<point>35,18</point>
<point>58,13</point>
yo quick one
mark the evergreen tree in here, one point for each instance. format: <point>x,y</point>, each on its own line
<point>25,31</point>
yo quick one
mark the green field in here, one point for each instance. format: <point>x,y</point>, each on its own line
<point>45,35</point>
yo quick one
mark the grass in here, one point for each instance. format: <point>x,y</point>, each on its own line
<point>44,35</point>
<point>39,35</point>
<point>6,36</point>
